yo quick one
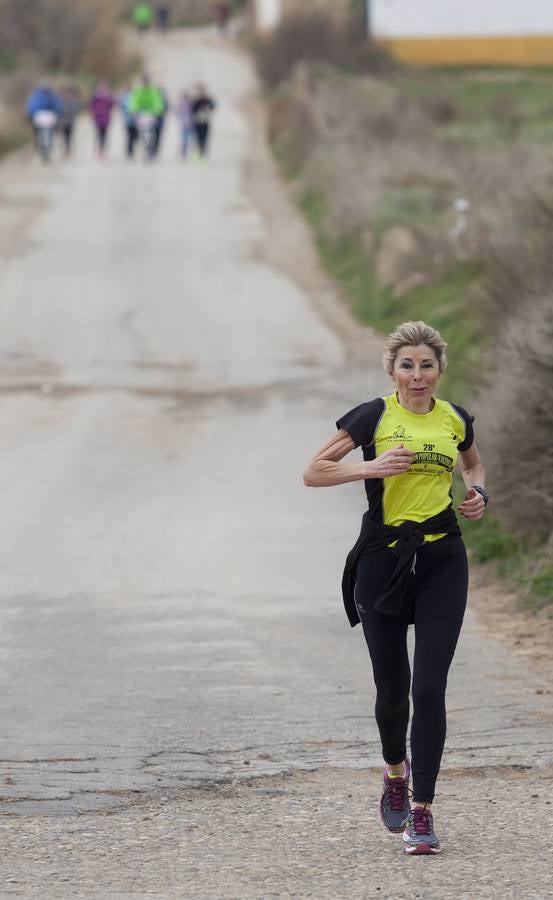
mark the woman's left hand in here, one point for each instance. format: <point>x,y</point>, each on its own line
<point>473,505</point>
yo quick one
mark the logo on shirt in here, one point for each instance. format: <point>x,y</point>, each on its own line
<point>400,434</point>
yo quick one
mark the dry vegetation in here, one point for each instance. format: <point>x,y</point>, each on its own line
<point>381,159</point>
<point>62,34</point>
<point>79,38</point>
<point>316,36</point>
<point>517,399</point>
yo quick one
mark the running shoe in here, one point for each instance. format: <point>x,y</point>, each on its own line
<point>394,803</point>
<point>419,834</point>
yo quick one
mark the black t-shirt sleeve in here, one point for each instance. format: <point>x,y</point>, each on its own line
<point>469,430</point>
<point>360,422</point>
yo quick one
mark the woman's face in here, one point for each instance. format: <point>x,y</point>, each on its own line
<point>415,374</point>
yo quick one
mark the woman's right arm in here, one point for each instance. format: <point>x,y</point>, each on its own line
<point>326,468</point>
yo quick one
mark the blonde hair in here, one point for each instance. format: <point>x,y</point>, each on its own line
<point>412,334</point>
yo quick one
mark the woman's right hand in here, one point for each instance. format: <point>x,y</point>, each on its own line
<point>392,462</point>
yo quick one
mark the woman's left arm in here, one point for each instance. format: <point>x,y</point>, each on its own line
<point>472,471</point>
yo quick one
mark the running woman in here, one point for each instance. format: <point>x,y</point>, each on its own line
<point>202,109</point>
<point>70,106</point>
<point>409,564</point>
<point>101,106</point>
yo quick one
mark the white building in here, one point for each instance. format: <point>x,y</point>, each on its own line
<point>466,31</point>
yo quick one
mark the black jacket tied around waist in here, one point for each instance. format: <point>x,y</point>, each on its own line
<point>375,536</point>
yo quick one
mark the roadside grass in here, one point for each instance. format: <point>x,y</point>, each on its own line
<point>8,61</point>
<point>484,106</point>
<point>13,139</point>
<point>446,303</point>
<point>526,569</point>
<point>286,154</point>
<point>416,205</point>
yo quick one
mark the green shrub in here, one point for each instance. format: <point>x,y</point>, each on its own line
<point>8,61</point>
<point>12,139</point>
<point>416,205</point>
<point>541,588</point>
<point>489,540</point>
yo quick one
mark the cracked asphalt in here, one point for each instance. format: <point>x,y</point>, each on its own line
<point>185,710</point>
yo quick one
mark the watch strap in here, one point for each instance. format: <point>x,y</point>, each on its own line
<point>482,491</point>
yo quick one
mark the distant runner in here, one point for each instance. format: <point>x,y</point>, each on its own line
<point>409,564</point>
<point>160,119</point>
<point>202,109</point>
<point>43,109</point>
<point>222,15</point>
<point>129,122</point>
<point>162,13</point>
<point>101,106</point>
<point>143,16</point>
<point>147,105</point>
<point>184,115</point>
<point>70,106</point>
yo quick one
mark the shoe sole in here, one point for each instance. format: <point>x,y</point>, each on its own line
<point>422,850</point>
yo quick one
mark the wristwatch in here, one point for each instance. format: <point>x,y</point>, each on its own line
<point>483,493</point>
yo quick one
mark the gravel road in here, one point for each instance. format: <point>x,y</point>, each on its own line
<point>185,710</point>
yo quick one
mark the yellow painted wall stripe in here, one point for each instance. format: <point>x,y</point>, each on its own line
<point>524,50</point>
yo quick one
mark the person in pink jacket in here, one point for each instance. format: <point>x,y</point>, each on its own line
<point>101,106</point>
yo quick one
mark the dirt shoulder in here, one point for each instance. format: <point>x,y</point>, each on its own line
<point>290,247</point>
<point>529,635</point>
<point>304,835</point>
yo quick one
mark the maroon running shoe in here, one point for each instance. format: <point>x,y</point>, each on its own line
<point>419,837</point>
<point>394,803</point>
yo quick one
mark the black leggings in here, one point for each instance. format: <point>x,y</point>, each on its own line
<point>101,135</point>
<point>436,604</point>
<point>202,137</point>
<point>132,137</point>
<point>67,131</point>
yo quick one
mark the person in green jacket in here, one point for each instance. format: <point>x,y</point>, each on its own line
<point>147,105</point>
<point>146,98</point>
<point>143,16</point>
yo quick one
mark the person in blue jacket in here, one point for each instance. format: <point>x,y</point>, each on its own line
<point>43,98</point>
